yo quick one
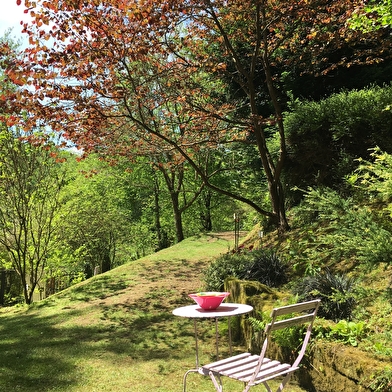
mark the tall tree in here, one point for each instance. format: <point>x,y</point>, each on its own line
<point>181,200</point>
<point>30,183</point>
<point>125,74</point>
<point>31,177</point>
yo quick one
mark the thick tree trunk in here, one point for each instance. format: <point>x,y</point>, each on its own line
<point>278,206</point>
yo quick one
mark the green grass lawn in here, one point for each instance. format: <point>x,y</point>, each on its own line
<point>115,332</point>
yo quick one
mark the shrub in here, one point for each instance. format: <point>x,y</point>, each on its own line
<point>264,266</point>
<point>374,178</point>
<point>335,291</point>
<point>339,229</point>
<point>221,268</point>
<point>388,293</point>
<point>348,332</point>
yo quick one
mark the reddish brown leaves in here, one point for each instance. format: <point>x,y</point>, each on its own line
<point>120,74</point>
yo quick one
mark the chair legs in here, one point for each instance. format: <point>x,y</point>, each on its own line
<point>267,387</point>
<point>217,383</point>
<point>185,376</point>
<point>284,382</point>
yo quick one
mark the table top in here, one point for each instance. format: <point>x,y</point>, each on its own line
<point>224,310</point>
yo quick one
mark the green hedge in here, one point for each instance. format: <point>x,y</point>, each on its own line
<point>324,138</point>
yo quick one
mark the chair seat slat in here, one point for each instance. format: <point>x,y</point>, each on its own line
<point>246,362</point>
<point>279,368</point>
<point>266,377</point>
<point>246,374</point>
<point>243,369</point>
<point>228,360</point>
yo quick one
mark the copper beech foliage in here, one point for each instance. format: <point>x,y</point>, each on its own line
<point>149,76</point>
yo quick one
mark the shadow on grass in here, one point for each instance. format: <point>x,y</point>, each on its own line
<point>101,287</point>
<point>40,354</point>
<point>33,355</point>
<point>56,344</point>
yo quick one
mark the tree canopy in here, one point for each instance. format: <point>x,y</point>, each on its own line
<point>148,77</point>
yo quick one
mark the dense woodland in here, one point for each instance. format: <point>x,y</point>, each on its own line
<point>129,126</point>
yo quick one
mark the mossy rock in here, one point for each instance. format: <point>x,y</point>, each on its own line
<point>339,368</point>
<point>263,298</point>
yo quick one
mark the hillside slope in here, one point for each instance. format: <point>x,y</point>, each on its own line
<point>115,332</point>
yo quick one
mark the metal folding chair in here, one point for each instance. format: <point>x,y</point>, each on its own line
<point>257,369</point>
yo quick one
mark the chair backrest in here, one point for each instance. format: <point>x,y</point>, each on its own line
<point>303,313</point>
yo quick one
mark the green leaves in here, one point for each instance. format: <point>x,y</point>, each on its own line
<point>335,290</point>
<point>373,16</point>
<point>374,178</point>
<point>343,229</point>
<point>348,332</point>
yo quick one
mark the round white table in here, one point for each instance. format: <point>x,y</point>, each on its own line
<point>224,310</point>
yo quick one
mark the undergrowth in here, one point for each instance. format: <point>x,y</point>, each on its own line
<point>335,290</point>
<point>264,266</point>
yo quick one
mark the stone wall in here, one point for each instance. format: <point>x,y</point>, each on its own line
<point>328,367</point>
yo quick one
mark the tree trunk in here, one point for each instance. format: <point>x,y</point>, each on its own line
<point>106,262</point>
<point>2,285</point>
<point>177,215</point>
<point>163,241</point>
<point>175,198</point>
<point>205,214</point>
<point>279,209</point>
